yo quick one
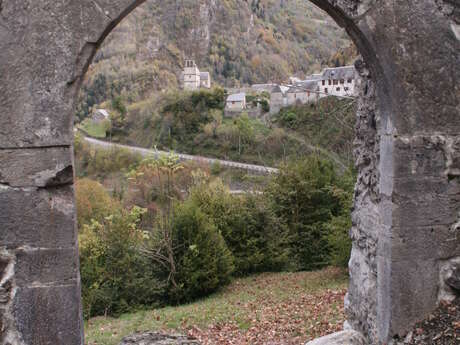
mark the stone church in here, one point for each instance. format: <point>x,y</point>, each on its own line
<point>193,79</point>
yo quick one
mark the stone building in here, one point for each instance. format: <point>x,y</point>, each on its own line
<point>303,92</point>
<point>205,80</point>
<point>338,81</point>
<point>236,102</point>
<point>278,98</point>
<point>193,79</point>
<point>100,115</point>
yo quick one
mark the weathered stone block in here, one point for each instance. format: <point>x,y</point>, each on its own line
<point>419,156</point>
<point>423,242</point>
<point>412,298</point>
<point>33,217</point>
<point>46,266</point>
<point>49,315</point>
<point>36,167</point>
<point>449,279</point>
<point>424,202</point>
<point>348,337</point>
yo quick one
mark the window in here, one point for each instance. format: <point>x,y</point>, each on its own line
<point>337,89</point>
<point>330,82</point>
<point>350,81</point>
<point>324,82</point>
<point>325,90</point>
<point>336,82</point>
<point>342,81</point>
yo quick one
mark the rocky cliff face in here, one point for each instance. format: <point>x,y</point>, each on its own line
<point>237,41</point>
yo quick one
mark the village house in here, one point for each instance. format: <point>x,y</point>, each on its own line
<point>303,92</point>
<point>236,102</point>
<point>278,98</point>
<point>338,81</point>
<point>100,115</point>
<point>193,79</point>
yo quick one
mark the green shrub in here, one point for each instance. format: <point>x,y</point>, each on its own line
<point>339,227</point>
<point>304,196</point>
<point>118,105</point>
<point>115,277</point>
<point>251,231</point>
<point>96,129</point>
<point>203,261</point>
<point>93,202</point>
<point>258,240</point>
<point>265,105</point>
<point>216,168</point>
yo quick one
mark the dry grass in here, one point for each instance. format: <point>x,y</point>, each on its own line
<point>271,308</point>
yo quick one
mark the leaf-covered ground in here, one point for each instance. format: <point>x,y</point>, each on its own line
<point>265,309</point>
<point>442,327</point>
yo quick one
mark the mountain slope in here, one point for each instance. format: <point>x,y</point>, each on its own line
<point>238,41</point>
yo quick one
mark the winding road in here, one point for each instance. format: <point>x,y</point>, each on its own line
<point>258,169</point>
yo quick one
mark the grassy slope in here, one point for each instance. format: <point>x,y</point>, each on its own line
<point>293,307</point>
<point>94,129</point>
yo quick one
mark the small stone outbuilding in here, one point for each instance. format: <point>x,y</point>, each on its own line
<point>236,102</point>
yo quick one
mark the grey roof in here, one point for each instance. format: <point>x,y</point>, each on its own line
<point>277,89</point>
<point>237,97</point>
<point>308,84</point>
<point>280,89</point>
<point>295,89</point>
<point>263,87</point>
<point>345,72</point>
<point>103,112</point>
<point>316,76</point>
<point>204,75</point>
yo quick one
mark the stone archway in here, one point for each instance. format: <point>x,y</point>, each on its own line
<point>407,198</point>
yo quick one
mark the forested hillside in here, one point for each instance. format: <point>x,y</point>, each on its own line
<point>239,42</point>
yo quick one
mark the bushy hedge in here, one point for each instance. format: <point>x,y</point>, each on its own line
<point>250,229</point>
<point>115,277</point>
<point>204,262</point>
<point>183,114</point>
<point>93,202</point>
<point>313,202</point>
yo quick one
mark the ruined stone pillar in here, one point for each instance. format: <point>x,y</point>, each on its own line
<point>407,197</point>
<point>45,47</point>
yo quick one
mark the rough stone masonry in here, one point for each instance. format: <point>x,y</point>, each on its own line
<point>406,216</point>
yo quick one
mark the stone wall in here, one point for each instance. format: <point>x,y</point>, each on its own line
<point>406,213</point>
<point>361,303</point>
